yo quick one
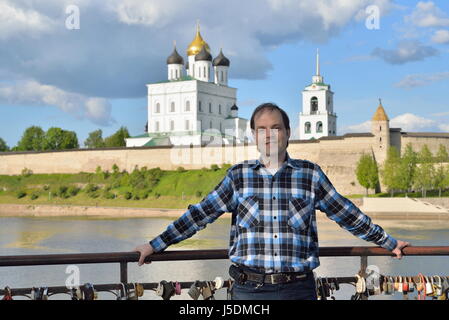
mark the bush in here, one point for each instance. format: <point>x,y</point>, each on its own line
<point>89,188</point>
<point>73,190</point>
<point>46,187</point>
<point>34,196</point>
<point>198,193</point>
<point>157,195</point>
<point>128,195</point>
<point>20,194</point>
<point>26,172</point>
<point>136,197</point>
<point>180,169</point>
<point>214,167</point>
<point>62,192</point>
<point>108,195</point>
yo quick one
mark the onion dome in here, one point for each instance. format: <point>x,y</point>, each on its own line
<point>380,114</point>
<point>175,58</point>
<point>234,107</point>
<point>221,60</point>
<point>203,55</point>
<point>197,44</point>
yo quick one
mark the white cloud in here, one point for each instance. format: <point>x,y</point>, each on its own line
<point>441,36</point>
<point>427,14</point>
<point>97,110</point>
<point>418,80</point>
<point>16,21</point>
<point>408,122</point>
<point>406,51</point>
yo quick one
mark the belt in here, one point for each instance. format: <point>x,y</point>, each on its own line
<point>274,278</point>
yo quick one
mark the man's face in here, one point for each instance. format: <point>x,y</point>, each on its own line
<point>270,133</point>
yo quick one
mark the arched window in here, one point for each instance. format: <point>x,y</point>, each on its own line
<point>172,125</point>
<point>307,127</point>
<point>210,125</point>
<point>187,125</point>
<point>314,105</point>
<point>158,108</point>
<point>221,127</point>
<point>221,76</point>
<point>172,107</point>
<point>219,109</point>
<point>210,107</point>
<point>204,71</point>
<point>187,105</point>
<point>177,74</point>
<point>156,126</point>
<point>319,126</point>
<point>199,106</point>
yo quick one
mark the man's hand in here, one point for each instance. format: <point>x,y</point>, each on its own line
<point>145,250</point>
<point>398,250</point>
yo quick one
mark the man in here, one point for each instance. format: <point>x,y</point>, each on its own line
<point>273,238</point>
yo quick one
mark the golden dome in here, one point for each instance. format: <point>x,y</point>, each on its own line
<point>380,114</point>
<point>197,44</point>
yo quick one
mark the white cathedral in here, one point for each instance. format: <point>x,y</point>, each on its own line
<point>194,105</point>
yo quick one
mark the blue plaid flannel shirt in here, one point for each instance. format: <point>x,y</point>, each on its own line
<point>273,217</point>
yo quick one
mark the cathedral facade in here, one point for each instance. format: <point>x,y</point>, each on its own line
<point>195,105</point>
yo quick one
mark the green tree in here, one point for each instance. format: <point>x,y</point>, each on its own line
<point>390,170</point>
<point>407,168</point>
<point>441,179</point>
<point>95,140</point>
<point>425,172</point>
<point>367,172</point>
<point>59,139</point>
<point>3,146</point>
<point>32,139</point>
<point>118,138</point>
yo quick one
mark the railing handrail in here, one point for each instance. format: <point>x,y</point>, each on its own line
<point>211,254</point>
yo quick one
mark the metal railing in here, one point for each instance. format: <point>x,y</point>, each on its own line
<point>123,258</point>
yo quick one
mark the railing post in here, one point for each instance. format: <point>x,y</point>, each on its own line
<point>123,272</point>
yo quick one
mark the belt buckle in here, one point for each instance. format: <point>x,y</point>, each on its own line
<point>283,278</point>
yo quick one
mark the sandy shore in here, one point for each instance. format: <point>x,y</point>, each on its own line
<point>20,210</point>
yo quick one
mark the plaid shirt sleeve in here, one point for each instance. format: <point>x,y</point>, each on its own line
<point>222,199</point>
<point>346,214</point>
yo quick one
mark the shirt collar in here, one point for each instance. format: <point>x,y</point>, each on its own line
<point>289,162</point>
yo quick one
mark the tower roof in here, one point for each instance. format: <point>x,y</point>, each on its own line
<point>175,58</point>
<point>234,107</point>
<point>203,55</point>
<point>197,44</point>
<point>221,60</point>
<point>380,114</point>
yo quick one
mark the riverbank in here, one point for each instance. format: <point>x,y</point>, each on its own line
<point>380,208</point>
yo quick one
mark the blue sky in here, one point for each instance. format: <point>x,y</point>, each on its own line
<point>94,77</point>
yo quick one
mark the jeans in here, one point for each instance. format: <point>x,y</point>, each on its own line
<point>303,289</point>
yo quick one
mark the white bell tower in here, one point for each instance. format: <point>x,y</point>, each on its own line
<point>317,118</point>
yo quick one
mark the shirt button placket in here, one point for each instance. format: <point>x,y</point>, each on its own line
<point>276,238</point>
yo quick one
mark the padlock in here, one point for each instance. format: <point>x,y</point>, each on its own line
<point>400,285</point>
<point>194,292</point>
<point>437,285</point>
<point>429,287</point>
<point>178,289</point>
<point>139,290</point>
<point>360,285</point>
<point>88,291</point>
<point>390,285</point>
<point>122,293</point>
<point>132,294</point>
<point>206,292</point>
<point>411,285</point>
<point>44,295</point>
<point>160,288</point>
<point>8,294</point>
<point>169,290</point>
<point>218,281</point>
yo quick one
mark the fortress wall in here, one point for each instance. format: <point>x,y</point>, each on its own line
<point>432,142</point>
<point>337,158</point>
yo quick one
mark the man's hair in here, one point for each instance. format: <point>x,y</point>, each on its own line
<point>270,107</point>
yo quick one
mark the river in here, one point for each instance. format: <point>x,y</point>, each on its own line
<point>27,235</point>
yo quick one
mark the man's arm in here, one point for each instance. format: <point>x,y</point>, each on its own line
<point>349,217</point>
<point>222,199</point>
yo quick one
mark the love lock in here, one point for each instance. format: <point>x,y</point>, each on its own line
<point>132,294</point>
<point>207,292</point>
<point>7,295</point>
<point>89,291</point>
<point>218,281</point>
<point>160,288</point>
<point>178,289</point>
<point>429,287</point>
<point>122,293</point>
<point>361,284</point>
<point>139,290</point>
<point>194,292</point>
<point>169,290</point>
<point>411,285</point>
<point>444,289</point>
<point>437,285</point>
<point>390,285</point>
